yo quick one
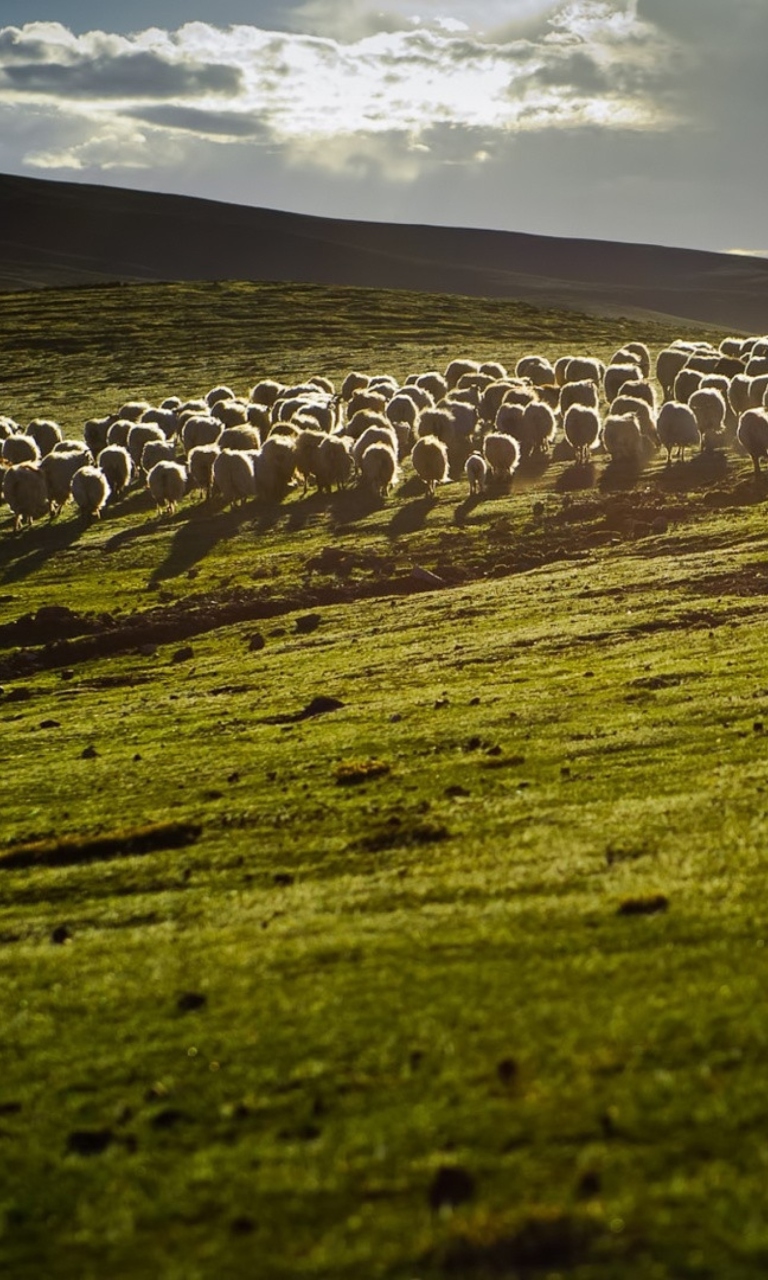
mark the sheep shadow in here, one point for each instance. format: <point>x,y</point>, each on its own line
<point>466,507</point>
<point>305,509</point>
<point>700,471</point>
<point>620,474</point>
<point>194,539</point>
<point>347,506</point>
<point>23,553</point>
<point>533,466</point>
<point>413,516</point>
<point>578,476</point>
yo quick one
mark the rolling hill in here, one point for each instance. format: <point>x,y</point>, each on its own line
<point>55,234</point>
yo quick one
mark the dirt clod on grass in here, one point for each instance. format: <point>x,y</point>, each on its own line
<point>350,773</point>
<point>78,850</point>
<point>646,906</point>
<point>452,1185</point>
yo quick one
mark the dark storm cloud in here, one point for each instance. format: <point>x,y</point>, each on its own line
<point>132,75</point>
<point>224,124</point>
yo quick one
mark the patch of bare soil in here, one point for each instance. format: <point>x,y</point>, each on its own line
<point>78,850</point>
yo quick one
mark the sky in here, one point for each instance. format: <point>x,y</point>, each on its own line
<point>636,120</point>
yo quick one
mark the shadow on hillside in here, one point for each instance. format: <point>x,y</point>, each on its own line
<point>23,553</point>
<point>466,507</point>
<point>412,516</point>
<point>580,475</point>
<point>620,474</point>
<point>701,470</point>
<point>349,505</point>
<point>195,537</point>
<point>305,509</point>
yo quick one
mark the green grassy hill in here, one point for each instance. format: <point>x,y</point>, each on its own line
<point>350,927</point>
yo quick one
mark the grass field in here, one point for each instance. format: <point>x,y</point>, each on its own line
<point>351,928</point>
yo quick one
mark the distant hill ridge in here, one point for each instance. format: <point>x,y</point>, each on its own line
<point>60,233</point>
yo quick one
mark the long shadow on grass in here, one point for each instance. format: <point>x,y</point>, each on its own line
<point>619,475</point>
<point>412,516</point>
<point>349,505</point>
<point>195,538</point>
<point>23,553</point>
<point>699,471</point>
<point>581,475</point>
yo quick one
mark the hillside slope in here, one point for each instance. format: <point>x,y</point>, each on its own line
<point>54,233</point>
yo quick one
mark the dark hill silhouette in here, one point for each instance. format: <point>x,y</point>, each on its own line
<point>58,233</point>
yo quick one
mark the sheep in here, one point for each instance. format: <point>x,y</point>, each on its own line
<point>362,420</point>
<point>165,419</point>
<point>686,382</point>
<point>266,392</point>
<point>366,400</point>
<point>288,430</point>
<point>353,382</point>
<point>457,368</point>
<point>378,468</point>
<point>402,409</point>
<point>615,376</point>
<point>430,461</point>
<point>200,462</point>
<point>171,402</point>
<point>167,482</point>
<point>492,400</point>
<point>581,425</point>
<point>95,434</point>
<point>581,393</point>
<point>639,389</point>
<point>59,469</point>
<point>740,394</point>
<point>708,407</point>
<point>476,469</point>
<point>133,410</point>
<point>509,420</point>
<point>242,437</point>
<point>584,369</point>
<point>45,434</point>
<point>323,384</point>
<point>464,416</point>
<point>383,382</point>
<point>8,427</point>
<point>231,413</point>
<point>731,346</point>
<point>421,396</point>
<point>233,475</point>
<point>333,463</point>
<point>307,444</point>
<point>677,428</point>
<point>155,451</point>
<point>139,435</point>
<point>19,448</point>
<point>539,428</point>
<point>26,493</point>
<point>273,468</point>
<point>642,354</point>
<point>639,409</point>
<point>218,393</point>
<point>260,418</point>
<point>90,490</point>
<point>560,366</point>
<point>502,453</point>
<point>519,395</point>
<point>324,414</point>
<point>669,362</point>
<point>622,440</point>
<point>752,435</point>
<point>494,369</point>
<point>757,366</point>
<point>73,446</point>
<point>374,435</point>
<point>117,432</point>
<point>199,429</point>
<point>473,381</point>
<point>115,462</point>
<point>536,368</point>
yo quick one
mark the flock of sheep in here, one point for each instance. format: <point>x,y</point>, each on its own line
<point>474,419</point>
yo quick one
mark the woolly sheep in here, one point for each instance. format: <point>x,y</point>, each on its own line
<point>366,400</point>
<point>464,415</point>
<point>242,437</point>
<point>19,448</point>
<point>288,430</point>
<point>494,369</point>
<point>353,382</point>
<point>473,381</point>
<point>676,425</point>
<point>307,445</point>
<point>583,393</point>
<point>216,394</point>
<point>752,435</point>
<point>622,440</point>
<point>45,434</point>
<point>273,467</point>
<point>199,429</point>
<point>492,400</point>
<point>90,490</point>
<point>378,468</point>
<point>430,461</point>
<point>731,346</point>
<point>266,392</point>
<point>200,462</point>
<point>421,397</point>
<point>560,367</point>
<point>536,368</point>
<point>165,419</point>
<point>401,409</point>
<point>95,434</point>
<point>334,463</point>
<point>615,376</point>
<point>58,469</point>
<point>233,475</point>
<point>584,369</point>
<point>324,414</point>
<point>581,425</point>
<point>26,493</point>
<point>476,469</point>
<point>260,418</point>
<point>639,389</point>
<point>437,422</point>
<point>323,384</point>
<point>643,355</point>
<point>8,427</point>
<point>375,435</point>
<point>383,382</point>
<point>155,451</point>
<point>740,394</point>
<point>133,410</point>
<point>509,420</point>
<point>703,362</point>
<point>539,427</point>
<point>115,462</point>
<point>519,395</point>
<point>117,432</point>
<point>640,410</point>
<point>73,446</point>
<point>171,402</point>
<point>686,382</point>
<point>757,367</point>
<point>231,413</point>
<point>502,453</point>
<point>457,368</point>
<point>167,482</point>
<point>139,435</point>
<point>708,408</point>
<point>669,362</point>
<point>363,419</point>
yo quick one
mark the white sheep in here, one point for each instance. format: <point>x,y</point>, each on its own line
<point>616,375</point>
<point>402,409</point>
<point>502,453</point>
<point>494,369</point>
<point>133,410</point>
<point>353,382</point>
<point>230,413</point>
<point>539,428</point>
<point>19,448</point>
<point>139,435</point>
<point>623,441</point>
<point>167,482</point>
<point>90,490</point>
<point>581,425</point>
<point>26,493</point>
<point>155,451</point>
<point>421,396</point>
<point>95,434</point>
<point>58,469</point>
<point>641,410</point>
<point>677,428</point>
<point>307,444</point>
<point>457,368</point>
<point>242,437</point>
<point>584,369</point>
<point>200,462</point>
<point>375,435</point>
<point>45,434</point>
<point>273,468</point>
<point>221,392</point>
<point>362,420</point>
<point>509,420</point>
<point>367,400</point>
<point>8,427</point>
<point>333,463</point>
<point>200,429</point>
<point>686,382</point>
<point>708,408</point>
<point>378,468</point>
<point>117,432</point>
<point>669,362</point>
<point>166,419</point>
<point>752,435</point>
<point>233,475</point>
<point>476,469</point>
<point>115,462</point>
<point>537,369</point>
<point>266,392</point>
<point>584,393</point>
<point>642,354</point>
<point>430,461</point>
